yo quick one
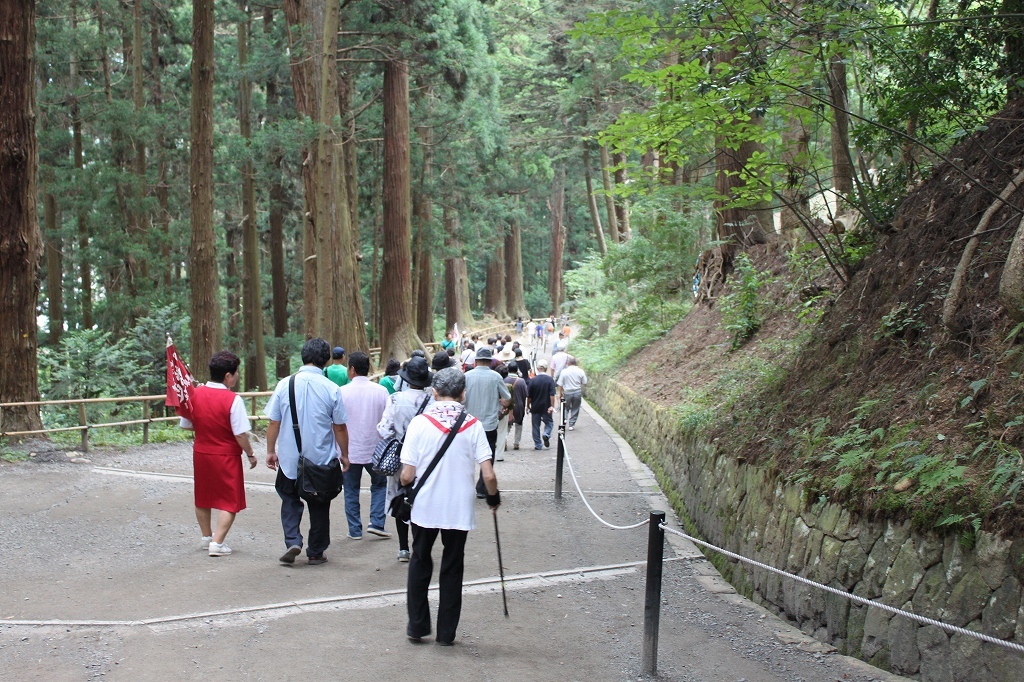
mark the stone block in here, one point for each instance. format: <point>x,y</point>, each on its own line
<point>933,643</point>
<point>1000,616</point>
<point>1016,558</point>
<point>967,599</point>
<point>929,550</point>
<point>956,559</point>
<point>798,546</point>
<point>931,594</point>
<point>876,633</point>
<point>852,559</point>
<point>828,560</point>
<point>904,655</point>
<point>813,551</point>
<point>837,615</point>
<point>992,554</point>
<point>904,576</point>
<point>867,534</point>
<point>846,529</point>
<point>855,629</point>
<point>828,518</point>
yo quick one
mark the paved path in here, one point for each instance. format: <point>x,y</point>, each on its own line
<point>104,578</point>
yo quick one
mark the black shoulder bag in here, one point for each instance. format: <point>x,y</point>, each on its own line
<point>401,504</point>
<point>315,482</point>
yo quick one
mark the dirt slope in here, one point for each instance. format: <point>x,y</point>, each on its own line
<point>881,346</point>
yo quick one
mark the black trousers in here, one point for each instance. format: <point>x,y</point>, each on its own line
<point>492,440</point>
<point>291,516</point>
<point>421,569</point>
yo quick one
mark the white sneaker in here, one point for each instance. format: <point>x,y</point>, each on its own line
<point>205,542</point>
<point>219,549</point>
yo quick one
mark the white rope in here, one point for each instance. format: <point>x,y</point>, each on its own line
<point>841,593</point>
<point>565,452</point>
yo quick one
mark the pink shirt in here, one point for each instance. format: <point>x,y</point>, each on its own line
<point>364,402</point>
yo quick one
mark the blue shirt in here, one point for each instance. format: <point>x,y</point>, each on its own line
<point>319,406</point>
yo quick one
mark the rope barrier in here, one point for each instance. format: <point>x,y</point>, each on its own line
<point>583,497</point>
<point>852,597</point>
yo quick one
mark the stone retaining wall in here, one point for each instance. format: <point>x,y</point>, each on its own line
<point>738,507</point>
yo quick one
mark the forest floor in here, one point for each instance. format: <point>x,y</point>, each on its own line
<point>104,578</point>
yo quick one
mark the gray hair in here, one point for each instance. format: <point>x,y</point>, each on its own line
<point>450,383</point>
<point>571,360</point>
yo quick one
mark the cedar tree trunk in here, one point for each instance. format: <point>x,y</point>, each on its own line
<point>20,242</point>
<point>203,280</point>
<point>397,329</point>
<point>556,207</point>
<point>515,299</point>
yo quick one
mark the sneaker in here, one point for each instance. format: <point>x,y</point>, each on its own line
<point>516,446</point>
<point>404,555</point>
<point>538,448</point>
<point>572,428</point>
<point>317,560</point>
<point>205,542</point>
<point>499,458</point>
<point>219,549</point>
<point>446,643</point>
<point>547,441</point>
<point>379,532</point>
<point>289,556</point>
<point>354,537</point>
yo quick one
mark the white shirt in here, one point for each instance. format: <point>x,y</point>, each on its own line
<point>468,356</point>
<point>572,379</point>
<point>558,361</point>
<point>448,498</point>
<point>239,418</point>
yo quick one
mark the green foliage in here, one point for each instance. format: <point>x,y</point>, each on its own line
<point>743,307</point>
<point>900,322</point>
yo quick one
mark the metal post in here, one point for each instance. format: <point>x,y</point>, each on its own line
<point>652,598</point>
<point>145,425</point>
<point>560,458</point>
<point>83,422</point>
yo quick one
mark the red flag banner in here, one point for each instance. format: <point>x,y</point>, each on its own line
<point>179,383</point>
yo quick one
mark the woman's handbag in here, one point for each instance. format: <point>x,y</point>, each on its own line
<point>401,504</point>
<point>316,482</point>
<point>387,456</point>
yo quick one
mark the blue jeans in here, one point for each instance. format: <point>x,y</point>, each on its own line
<point>548,425</point>
<point>378,490</point>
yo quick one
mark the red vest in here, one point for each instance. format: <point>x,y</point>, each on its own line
<point>211,419</point>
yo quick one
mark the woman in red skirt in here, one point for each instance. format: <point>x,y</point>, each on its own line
<point>221,426</point>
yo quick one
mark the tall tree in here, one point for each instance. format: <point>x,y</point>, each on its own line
<point>397,327</point>
<point>54,265</point>
<point>514,295</point>
<point>139,257</point>
<point>495,299</point>
<point>20,242</point>
<point>556,209</point>
<point>203,280</point>
<point>423,215</point>
<point>595,215</point>
<point>842,166</point>
<point>252,298</point>
<point>82,217</point>
<point>456,275</point>
<point>282,364</point>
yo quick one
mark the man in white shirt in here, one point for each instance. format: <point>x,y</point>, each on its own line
<point>445,504</point>
<point>570,383</point>
<point>364,406</point>
<point>558,362</point>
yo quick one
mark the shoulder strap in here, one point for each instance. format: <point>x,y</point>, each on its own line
<point>440,453</point>
<point>422,407</point>
<point>295,414</point>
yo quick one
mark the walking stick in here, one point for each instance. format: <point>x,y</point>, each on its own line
<point>501,569</point>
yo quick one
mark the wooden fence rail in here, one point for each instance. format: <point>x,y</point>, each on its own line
<point>84,426</point>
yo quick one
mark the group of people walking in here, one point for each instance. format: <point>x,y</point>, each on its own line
<point>450,421</point>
